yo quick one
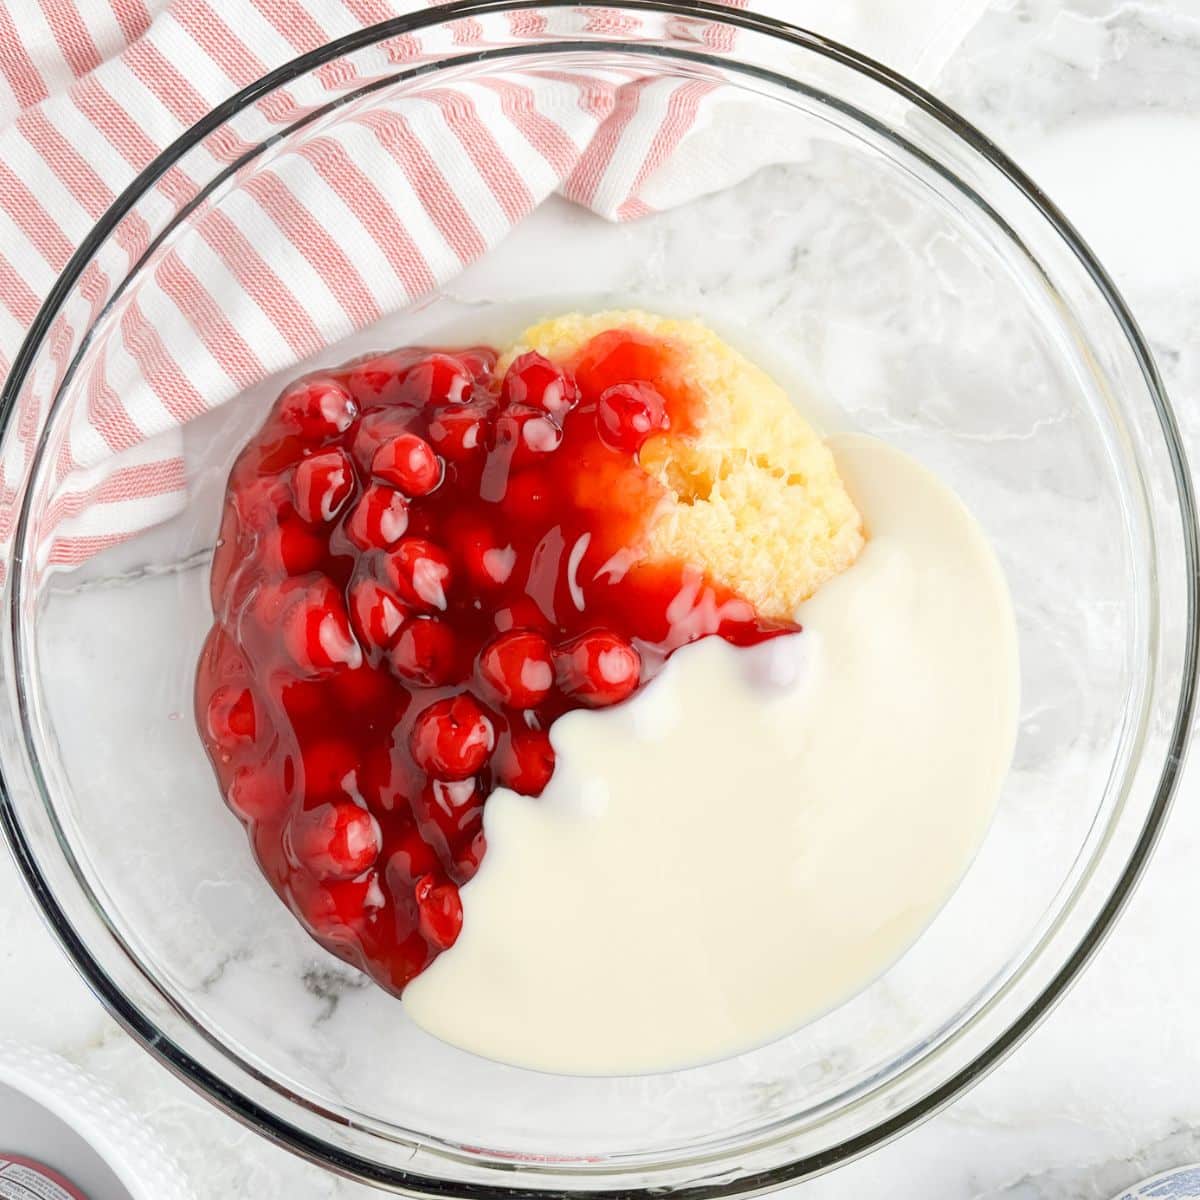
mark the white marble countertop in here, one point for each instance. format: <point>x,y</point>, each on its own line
<point>1100,101</point>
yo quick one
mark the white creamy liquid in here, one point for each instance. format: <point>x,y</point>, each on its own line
<point>760,832</point>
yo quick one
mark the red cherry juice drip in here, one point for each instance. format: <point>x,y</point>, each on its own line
<point>420,568</point>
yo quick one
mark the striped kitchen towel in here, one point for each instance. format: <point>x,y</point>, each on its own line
<point>356,216</point>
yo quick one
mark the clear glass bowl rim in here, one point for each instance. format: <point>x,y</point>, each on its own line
<point>327,1155</point>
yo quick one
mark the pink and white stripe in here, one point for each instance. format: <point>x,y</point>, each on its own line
<point>299,253</point>
<point>359,214</point>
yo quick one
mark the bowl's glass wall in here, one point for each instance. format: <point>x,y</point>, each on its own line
<point>899,280</point>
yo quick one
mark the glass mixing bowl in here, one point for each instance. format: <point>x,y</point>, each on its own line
<point>883,256</point>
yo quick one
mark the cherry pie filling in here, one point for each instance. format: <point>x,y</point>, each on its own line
<point>421,565</point>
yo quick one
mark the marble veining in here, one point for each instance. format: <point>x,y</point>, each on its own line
<point>1100,100</point>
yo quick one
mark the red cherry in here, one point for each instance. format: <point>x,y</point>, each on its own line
<point>420,572</point>
<point>412,858</point>
<point>376,380</point>
<point>525,436</point>
<point>316,630</point>
<point>334,841</point>
<point>437,379</point>
<point>618,356</point>
<point>479,360</point>
<point>257,794</point>
<point>440,911</point>
<point>292,548</point>
<point>628,414</point>
<point>598,668</point>
<point>379,519</point>
<point>518,667</point>
<point>451,805</point>
<point>329,769</point>
<point>375,613</point>
<point>526,763</point>
<point>458,432</point>
<point>375,429</point>
<point>453,738</point>
<point>534,380</point>
<point>322,484</point>
<point>408,463</point>
<point>426,652</point>
<point>337,910</point>
<point>318,408</point>
<point>231,717</point>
